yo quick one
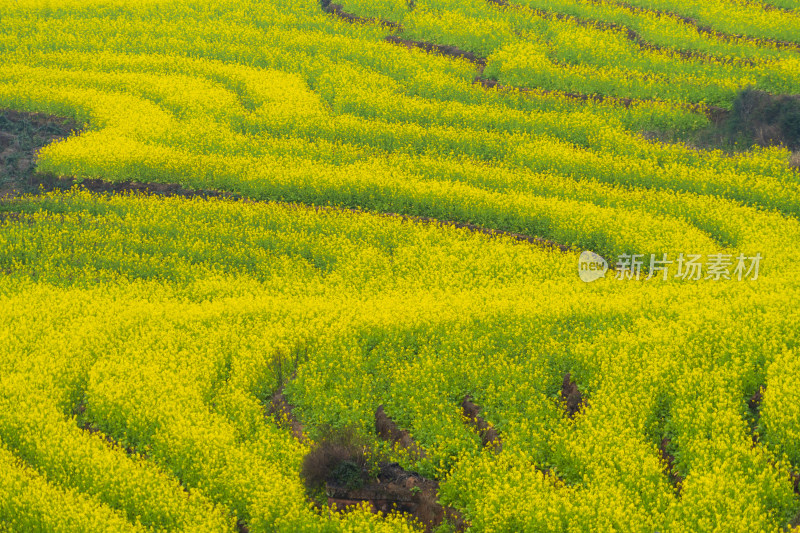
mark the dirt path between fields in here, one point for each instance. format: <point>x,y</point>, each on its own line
<point>445,50</point>
<point>338,11</point>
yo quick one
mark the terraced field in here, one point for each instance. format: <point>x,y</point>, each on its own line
<point>301,266</point>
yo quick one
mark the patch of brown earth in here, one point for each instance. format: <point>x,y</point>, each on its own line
<point>571,395</point>
<point>388,430</point>
<point>49,183</point>
<point>399,490</point>
<point>489,435</point>
<point>91,427</point>
<point>445,50</point>
<point>754,406</point>
<point>343,468</point>
<point>22,135</point>
<point>283,412</point>
<point>338,11</point>
<point>667,456</point>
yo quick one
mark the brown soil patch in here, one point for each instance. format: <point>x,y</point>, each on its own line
<point>794,161</point>
<point>489,435</point>
<point>388,430</point>
<point>90,427</point>
<point>674,478</point>
<point>283,412</point>
<point>343,468</point>
<point>44,182</point>
<point>338,11</point>
<point>445,50</point>
<point>22,135</point>
<point>754,403</point>
<point>396,489</point>
<point>754,406</point>
<point>571,395</point>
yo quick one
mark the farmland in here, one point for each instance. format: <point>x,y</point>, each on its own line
<point>270,231</point>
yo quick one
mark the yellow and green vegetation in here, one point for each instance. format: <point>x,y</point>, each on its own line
<point>142,337</point>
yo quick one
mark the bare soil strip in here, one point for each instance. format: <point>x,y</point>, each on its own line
<point>338,11</point>
<point>21,136</point>
<point>571,395</point>
<point>669,458</point>
<point>489,435</point>
<point>342,470</point>
<point>283,412</point>
<point>396,489</point>
<point>388,430</point>
<point>91,428</point>
<point>445,50</point>
<point>754,406</point>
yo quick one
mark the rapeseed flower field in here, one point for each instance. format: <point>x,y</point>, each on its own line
<point>374,228</point>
